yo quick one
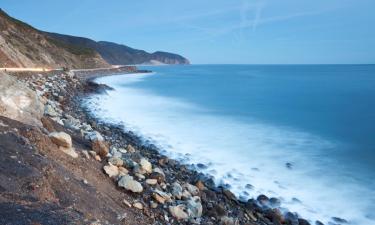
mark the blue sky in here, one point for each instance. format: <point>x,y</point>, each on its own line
<point>218,31</point>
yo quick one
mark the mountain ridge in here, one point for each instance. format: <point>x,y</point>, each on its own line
<point>22,45</point>
<point>120,54</point>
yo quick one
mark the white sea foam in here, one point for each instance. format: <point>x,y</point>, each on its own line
<point>240,153</point>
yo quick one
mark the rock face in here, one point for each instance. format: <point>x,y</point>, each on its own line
<point>130,184</point>
<point>18,102</point>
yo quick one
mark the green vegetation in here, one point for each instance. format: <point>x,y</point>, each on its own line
<point>74,49</point>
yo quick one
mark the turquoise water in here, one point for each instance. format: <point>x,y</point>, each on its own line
<point>246,122</point>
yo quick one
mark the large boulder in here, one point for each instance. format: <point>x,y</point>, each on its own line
<point>61,139</point>
<point>100,147</point>
<point>130,184</point>
<point>19,102</point>
<point>146,165</point>
<point>179,212</point>
<point>64,141</point>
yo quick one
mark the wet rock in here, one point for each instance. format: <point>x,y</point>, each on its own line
<point>339,220</point>
<point>100,147</point>
<point>194,207</point>
<point>200,185</point>
<point>263,200</point>
<point>128,163</point>
<point>61,139</point>
<point>303,222</point>
<point>229,195</point>
<point>115,161</point>
<point>291,218</point>
<point>161,196</point>
<point>225,220</point>
<point>274,202</point>
<point>176,190</point>
<point>130,184</point>
<point>94,136</point>
<point>159,171</point>
<point>179,212</point>
<point>193,190</point>
<point>157,176</point>
<point>130,148</point>
<point>146,165</point>
<point>289,165</point>
<point>186,194</point>
<point>111,170</point>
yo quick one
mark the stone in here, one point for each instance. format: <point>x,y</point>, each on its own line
<point>140,176</point>
<point>176,190</point>
<point>115,161</point>
<point>130,184</point>
<point>127,203</point>
<point>115,153</point>
<point>179,212</point>
<point>122,171</point>
<point>158,176</point>
<point>50,111</point>
<point>97,158</point>
<point>94,136</point>
<point>130,148</point>
<point>193,190</point>
<point>111,170</point>
<point>64,142</point>
<point>61,139</point>
<point>186,195</point>
<point>161,196</point>
<point>138,205</point>
<point>86,154</point>
<point>225,220</point>
<point>194,207</point>
<point>153,204</point>
<point>72,123</point>
<point>151,181</point>
<point>100,147</point>
<point>263,200</point>
<point>200,185</point>
<point>159,171</point>
<point>92,153</point>
<point>146,165</point>
<point>229,195</point>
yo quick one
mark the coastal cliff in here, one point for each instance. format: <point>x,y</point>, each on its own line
<point>21,45</point>
<point>117,54</point>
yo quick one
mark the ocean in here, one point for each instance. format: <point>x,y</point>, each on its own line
<point>302,133</point>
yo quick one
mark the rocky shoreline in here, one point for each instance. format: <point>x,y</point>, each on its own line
<point>148,188</point>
